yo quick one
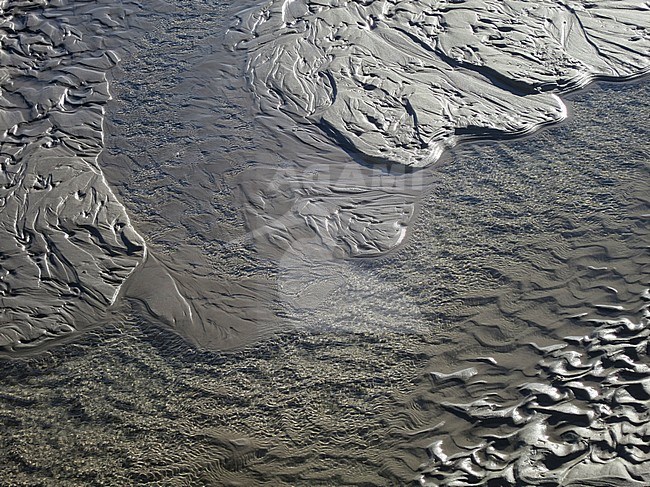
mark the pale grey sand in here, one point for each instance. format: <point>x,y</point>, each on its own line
<point>67,244</point>
<point>68,266</point>
<point>400,81</point>
<point>482,322</point>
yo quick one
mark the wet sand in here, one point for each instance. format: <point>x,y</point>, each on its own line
<point>193,141</point>
<point>402,81</point>
<point>490,327</point>
<point>505,258</point>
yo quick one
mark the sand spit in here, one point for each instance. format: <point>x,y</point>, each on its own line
<point>67,244</point>
<point>401,81</point>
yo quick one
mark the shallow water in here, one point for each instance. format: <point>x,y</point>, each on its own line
<point>528,241</point>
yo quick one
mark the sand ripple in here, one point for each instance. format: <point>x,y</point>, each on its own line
<point>580,418</point>
<point>67,243</point>
<point>400,81</point>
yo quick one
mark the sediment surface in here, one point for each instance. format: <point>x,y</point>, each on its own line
<point>541,241</point>
<point>492,329</point>
<point>400,81</point>
<point>67,243</point>
<point>396,82</point>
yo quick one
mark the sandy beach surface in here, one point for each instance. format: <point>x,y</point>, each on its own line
<point>203,285</point>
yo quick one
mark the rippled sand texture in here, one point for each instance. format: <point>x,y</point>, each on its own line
<point>70,257</point>
<point>67,244</point>
<point>70,246</point>
<point>579,417</point>
<point>516,242</point>
<point>550,384</point>
<point>400,81</point>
